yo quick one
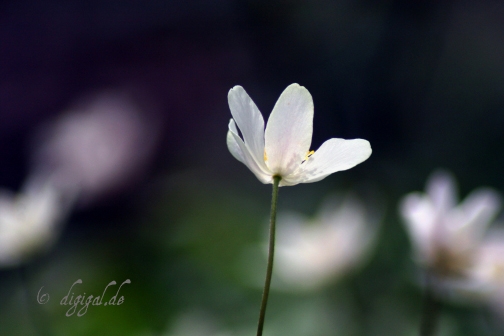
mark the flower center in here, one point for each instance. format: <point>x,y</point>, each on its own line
<point>307,156</point>
<point>498,272</point>
<point>451,263</point>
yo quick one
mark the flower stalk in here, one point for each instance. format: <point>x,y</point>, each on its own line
<point>271,253</point>
<point>431,309</point>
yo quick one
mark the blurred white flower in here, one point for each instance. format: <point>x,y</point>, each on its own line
<point>96,146</point>
<point>446,236</point>
<point>311,253</point>
<point>283,149</point>
<point>29,222</point>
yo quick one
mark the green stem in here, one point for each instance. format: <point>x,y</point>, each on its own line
<point>271,253</point>
<point>37,321</point>
<point>431,309</point>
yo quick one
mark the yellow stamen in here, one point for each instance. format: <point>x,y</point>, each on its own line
<point>265,156</point>
<point>310,153</point>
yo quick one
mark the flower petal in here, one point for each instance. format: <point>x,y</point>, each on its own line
<point>263,175</point>
<point>234,147</point>
<point>419,217</point>
<point>249,120</point>
<point>442,190</point>
<point>289,130</point>
<point>481,206</point>
<point>334,155</point>
<point>475,215</point>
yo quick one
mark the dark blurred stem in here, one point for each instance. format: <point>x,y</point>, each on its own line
<point>431,309</point>
<point>30,303</point>
<point>271,252</point>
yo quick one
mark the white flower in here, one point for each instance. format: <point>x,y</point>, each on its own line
<point>28,222</point>
<point>95,147</point>
<point>445,235</point>
<point>283,149</point>
<point>311,253</point>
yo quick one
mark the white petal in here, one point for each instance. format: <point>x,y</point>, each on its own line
<point>482,205</point>
<point>419,217</point>
<point>289,130</point>
<point>478,210</point>
<point>249,120</point>
<point>263,175</point>
<point>442,190</point>
<point>334,155</point>
<point>234,147</point>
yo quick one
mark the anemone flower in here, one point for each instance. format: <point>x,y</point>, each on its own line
<point>96,147</point>
<point>283,149</point>
<point>313,252</point>
<point>280,154</point>
<point>445,235</point>
<point>447,238</point>
<point>28,222</point>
